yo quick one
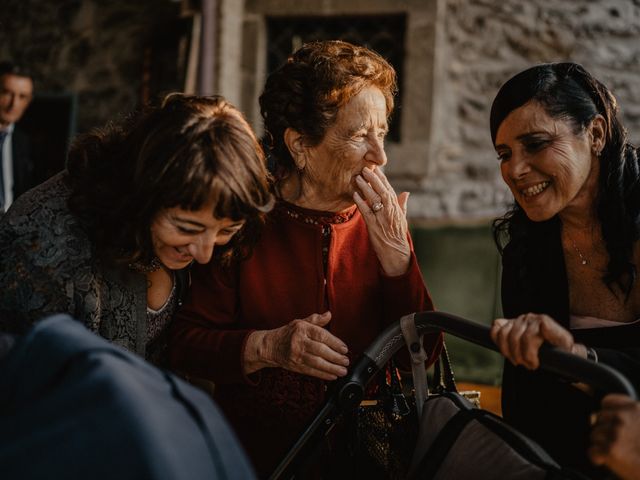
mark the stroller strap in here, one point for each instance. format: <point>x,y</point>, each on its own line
<point>418,357</point>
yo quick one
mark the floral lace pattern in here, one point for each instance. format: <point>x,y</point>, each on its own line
<point>47,265</point>
<point>157,327</point>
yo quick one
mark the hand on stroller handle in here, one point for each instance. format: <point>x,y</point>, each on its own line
<point>553,360</point>
<point>349,390</point>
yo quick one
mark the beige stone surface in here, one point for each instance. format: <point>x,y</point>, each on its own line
<point>92,48</point>
<point>457,54</point>
<point>487,41</point>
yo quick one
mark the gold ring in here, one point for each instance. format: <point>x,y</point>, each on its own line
<point>376,207</point>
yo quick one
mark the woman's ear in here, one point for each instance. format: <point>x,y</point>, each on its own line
<point>598,134</point>
<point>295,143</point>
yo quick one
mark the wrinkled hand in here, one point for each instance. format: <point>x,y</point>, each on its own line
<point>301,346</point>
<point>615,438</point>
<point>388,228</point>
<point>520,339</point>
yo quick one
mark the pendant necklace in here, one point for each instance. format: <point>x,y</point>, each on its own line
<point>583,260</point>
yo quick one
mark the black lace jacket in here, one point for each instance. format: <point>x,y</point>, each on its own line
<point>47,265</point>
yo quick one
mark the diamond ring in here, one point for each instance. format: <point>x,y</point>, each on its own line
<point>376,207</point>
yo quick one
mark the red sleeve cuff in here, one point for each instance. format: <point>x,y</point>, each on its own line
<point>254,378</point>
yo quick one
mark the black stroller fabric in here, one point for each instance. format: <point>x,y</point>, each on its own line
<point>456,439</point>
<point>73,406</point>
<point>459,441</point>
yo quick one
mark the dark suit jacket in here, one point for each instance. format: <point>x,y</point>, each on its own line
<point>23,168</point>
<point>74,406</point>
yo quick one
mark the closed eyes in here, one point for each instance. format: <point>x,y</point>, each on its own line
<point>535,145</point>
<point>187,231</point>
<point>531,145</point>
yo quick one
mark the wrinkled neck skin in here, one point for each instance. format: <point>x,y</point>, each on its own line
<point>581,214</point>
<point>301,191</point>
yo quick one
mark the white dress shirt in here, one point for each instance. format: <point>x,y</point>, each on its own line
<point>7,167</point>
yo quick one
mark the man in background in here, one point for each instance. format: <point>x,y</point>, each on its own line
<point>16,174</point>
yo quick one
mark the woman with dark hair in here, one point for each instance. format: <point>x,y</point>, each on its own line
<point>569,247</point>
<point>109,239</point>
<point>333,267</point>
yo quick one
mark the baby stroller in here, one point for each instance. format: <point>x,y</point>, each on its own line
<point>455,439</point>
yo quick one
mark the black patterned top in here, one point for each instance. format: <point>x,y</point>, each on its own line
<point>48,265</point>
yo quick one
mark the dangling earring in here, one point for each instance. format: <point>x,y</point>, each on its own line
<point>300,163</point>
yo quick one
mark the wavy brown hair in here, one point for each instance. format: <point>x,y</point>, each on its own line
<point>307,92</point>
<point>183,153</point>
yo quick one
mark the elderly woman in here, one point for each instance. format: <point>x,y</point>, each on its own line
<point>109,240</point>
<point>570,247</point>
<point>334,264</point>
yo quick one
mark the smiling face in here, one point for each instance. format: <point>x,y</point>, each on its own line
<point>180,236</point>
<point>547,165</point>
<point>15,95</point>
<point>354,141</point>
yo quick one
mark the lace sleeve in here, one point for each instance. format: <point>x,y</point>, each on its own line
<point>30,287</point>
<point>38,257</point>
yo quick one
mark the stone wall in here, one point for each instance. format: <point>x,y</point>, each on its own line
<point>458,54</point>
<point>95,49</point>
<point>484,42</point>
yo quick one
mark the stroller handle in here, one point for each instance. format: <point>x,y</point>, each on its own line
<point>553,360</point>
<point>348,391</point>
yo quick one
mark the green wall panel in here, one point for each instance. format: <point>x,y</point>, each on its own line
<point>461,267</point>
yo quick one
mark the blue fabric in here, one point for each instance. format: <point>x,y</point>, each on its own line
<point>74,406</point>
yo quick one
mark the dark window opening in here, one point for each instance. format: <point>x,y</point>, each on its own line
<point>384,34</point>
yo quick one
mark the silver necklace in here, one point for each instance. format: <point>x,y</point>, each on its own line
<point>583,260</point>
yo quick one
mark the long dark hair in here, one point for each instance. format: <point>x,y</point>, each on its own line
<point>183,153</point>
<point>568,91</point>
